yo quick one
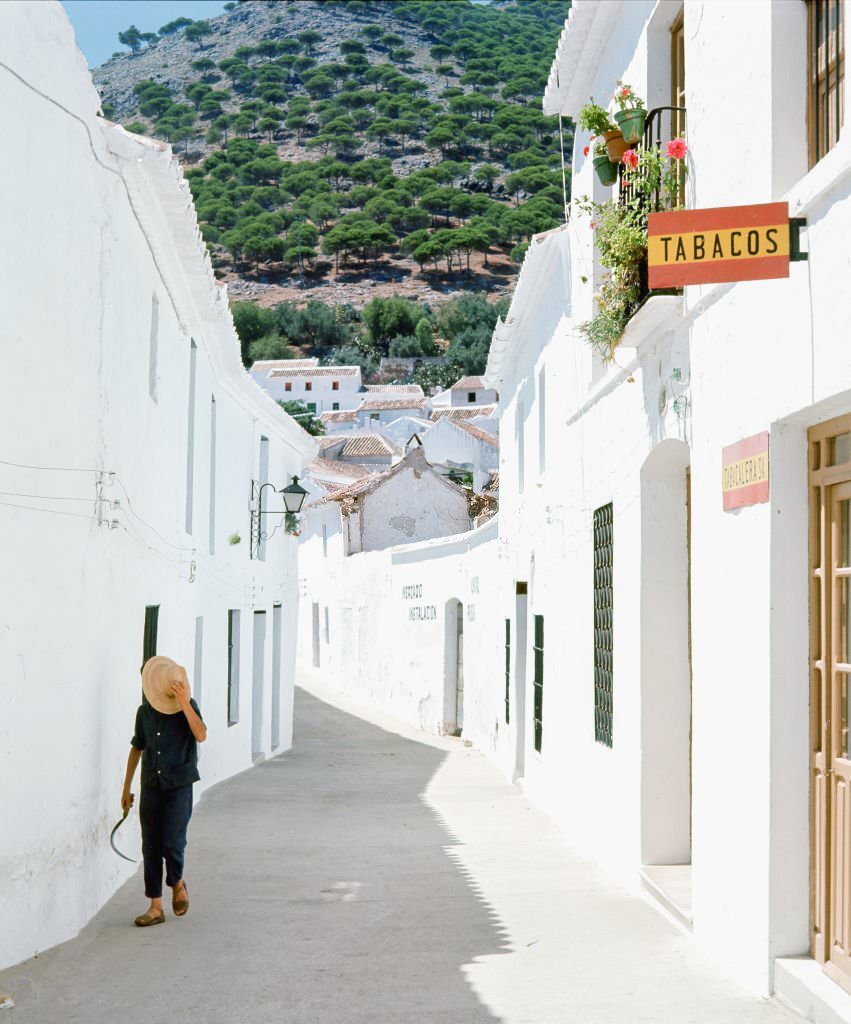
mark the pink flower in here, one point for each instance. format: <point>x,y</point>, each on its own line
<point>592,225</point>
<point>630,159</point>
<point>625,91</point>
<point>585,151</point>
<point>677,149</point>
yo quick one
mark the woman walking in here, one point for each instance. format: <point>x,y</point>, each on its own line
<point>168,729</point>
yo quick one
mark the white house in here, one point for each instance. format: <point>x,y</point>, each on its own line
<point>674,529</point>
<point>133,445</point>
<point>484,416</point>
<point>471,391</point>
<point>408,503</point>
<point>321,388</point>
<point>459,444</point>
<point>369,449</point>
<point>340,422</point>
<point>376,411</point>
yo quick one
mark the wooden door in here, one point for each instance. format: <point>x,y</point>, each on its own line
<point>830,641</point>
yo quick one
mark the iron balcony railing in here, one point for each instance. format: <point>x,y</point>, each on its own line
<point>660,126</point>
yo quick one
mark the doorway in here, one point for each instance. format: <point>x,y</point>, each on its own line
<point>830,669</point>
<point>521,613</point>
<point>277,626</point>
<point>316,634</point>
<point>257,730</point>
<point>453,701</point>
<point>666,677</point>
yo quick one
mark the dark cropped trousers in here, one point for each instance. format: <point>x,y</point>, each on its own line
<point>164,814</point>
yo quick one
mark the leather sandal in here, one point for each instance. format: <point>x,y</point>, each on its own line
<point>180,904</point>
<point>149,918</point>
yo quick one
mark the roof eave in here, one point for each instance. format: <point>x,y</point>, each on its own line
<point>571,78</point>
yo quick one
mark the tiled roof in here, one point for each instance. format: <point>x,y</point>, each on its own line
<point>316,371</point>
<point>465,412</point>
<point>283,364</point>
<point>374,404</point>
<point>395,389</point>
<point>368,444</point>
<point>466,383</point>
<point>477,432</point>
<point>342,416</point>
<point>334,467</point>
<point>329,440</point>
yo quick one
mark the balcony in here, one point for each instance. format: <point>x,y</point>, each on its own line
<point>628,313</point>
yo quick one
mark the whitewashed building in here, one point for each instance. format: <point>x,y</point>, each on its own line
<point>131,442</point>
<point>321,388</point>
<point>459,444</point>
<point>683,664</point>
<point>471,391</point>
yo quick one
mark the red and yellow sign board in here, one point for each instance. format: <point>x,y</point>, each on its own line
<point>727,243</point>
<point>744,472</point>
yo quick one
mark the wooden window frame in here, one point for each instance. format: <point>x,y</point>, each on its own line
<point>149,638</point>
<point>825,63</point>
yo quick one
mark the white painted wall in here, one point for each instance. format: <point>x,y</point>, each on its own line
<point>447,445</point>
<point>313,385</point>
<point>86,251</point>
<point>739,359</point>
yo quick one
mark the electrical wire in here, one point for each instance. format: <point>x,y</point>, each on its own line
<point>133,512</point>
<point>44,497</point>
<point>50,511</point>
<point>50,469</point>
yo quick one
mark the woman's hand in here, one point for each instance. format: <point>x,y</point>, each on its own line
<point>126,800</point>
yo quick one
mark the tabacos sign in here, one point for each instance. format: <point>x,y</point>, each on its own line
<point>728,243</point>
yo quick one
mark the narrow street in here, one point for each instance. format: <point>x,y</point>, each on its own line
<point>373,876</point>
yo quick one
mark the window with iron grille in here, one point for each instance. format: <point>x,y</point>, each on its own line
<point>507,669</point>
<point>233,666</point>
<point>826,75</point>
<point>149,641</point>
<point>603,603</point>
<point>538,681</point>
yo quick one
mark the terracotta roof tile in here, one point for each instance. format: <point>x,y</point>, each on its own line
<point>375,404</point>
<point>395,389</point>
<point>368,444</point>
<point>317,371</point>
<point>334,467</point>
<point>465,412</point>
<point>342,416</point>
<point>466,383</point>
<point>477,432</point>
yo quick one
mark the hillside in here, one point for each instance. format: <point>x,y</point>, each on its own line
<point>345,150</point>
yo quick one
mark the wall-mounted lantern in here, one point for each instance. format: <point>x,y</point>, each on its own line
<point>293,496</point>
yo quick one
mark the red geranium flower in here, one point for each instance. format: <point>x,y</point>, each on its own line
<point>585,151</point>
<point>677,149</point>
<point>630,159</point>
<point>625,91</point>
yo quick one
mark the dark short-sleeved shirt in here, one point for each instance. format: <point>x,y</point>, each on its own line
<point>170,751</point>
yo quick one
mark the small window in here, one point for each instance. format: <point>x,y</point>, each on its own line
<point>288,385</point>
<point>308,385</point>
<point>471,396</point>
<point>335,406</point>
<point>335,385</point>
<point>327,627</point>
<point>538,681</point>
<point>375,415</point>
<point>603,607</point>
<point>311,406</point>
<point>826,75</point>
<point>233,666</point>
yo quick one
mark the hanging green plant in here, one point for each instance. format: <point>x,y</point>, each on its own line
<point>653,179</point>
<point>595,119</point>
<point>292,524</point>
<point>631,114</point>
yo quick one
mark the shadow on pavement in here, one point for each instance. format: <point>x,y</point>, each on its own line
<point>321,892</point>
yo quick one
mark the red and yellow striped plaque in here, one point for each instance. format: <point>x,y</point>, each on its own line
<point>728,243</point>
<point>744,472</point>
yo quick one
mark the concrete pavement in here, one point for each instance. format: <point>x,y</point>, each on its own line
<point>376,875</point>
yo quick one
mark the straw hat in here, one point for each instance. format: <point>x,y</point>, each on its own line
<point>158,673</point>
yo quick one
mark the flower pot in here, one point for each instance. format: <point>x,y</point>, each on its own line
<point>607,172</point>
<point>616,145</point>
<point>631,124</point>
